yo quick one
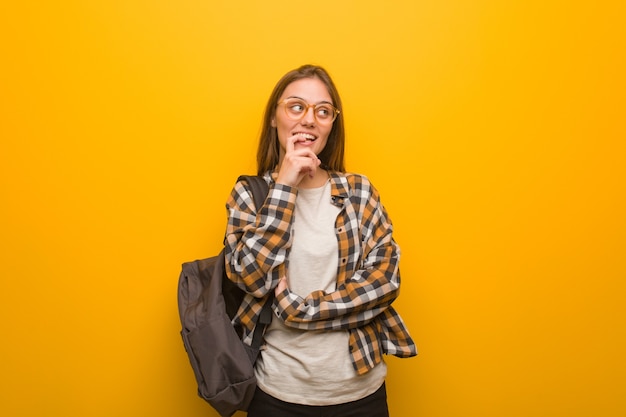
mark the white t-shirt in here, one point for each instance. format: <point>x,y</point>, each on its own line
<point>305,366</point>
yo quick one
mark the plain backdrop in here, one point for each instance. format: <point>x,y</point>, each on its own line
<point>494,131</point>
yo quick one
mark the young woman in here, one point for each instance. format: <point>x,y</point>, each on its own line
<point>322,245</point>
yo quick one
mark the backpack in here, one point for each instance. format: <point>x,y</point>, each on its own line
<point>207,301</point>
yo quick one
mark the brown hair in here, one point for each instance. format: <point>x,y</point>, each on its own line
<point>332,156</point>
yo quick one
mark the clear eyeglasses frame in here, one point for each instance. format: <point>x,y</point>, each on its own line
<point>324,113</point>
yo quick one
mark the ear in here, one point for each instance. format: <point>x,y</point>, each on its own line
<point>273,123</point>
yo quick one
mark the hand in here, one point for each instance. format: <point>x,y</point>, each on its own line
<point>297,163</point>
<point>282,285</point>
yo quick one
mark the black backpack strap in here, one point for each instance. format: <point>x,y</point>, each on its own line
<point>265,319</point>
<point>259,188</point>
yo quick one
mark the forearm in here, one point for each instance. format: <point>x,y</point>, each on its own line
<point>355,302</point>
<point>257,241</point>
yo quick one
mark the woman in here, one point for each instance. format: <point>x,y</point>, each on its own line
<point>322,245</point>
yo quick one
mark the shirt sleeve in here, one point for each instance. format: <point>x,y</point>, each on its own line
<point>367,292</point>
<point>257,240</point>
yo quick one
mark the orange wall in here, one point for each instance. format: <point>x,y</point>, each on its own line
<point>494,130</point>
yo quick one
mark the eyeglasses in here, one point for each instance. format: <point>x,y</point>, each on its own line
<point>324,113</point>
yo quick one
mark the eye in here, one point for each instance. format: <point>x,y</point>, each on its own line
<point>324,111</point>
<point>296,106</point>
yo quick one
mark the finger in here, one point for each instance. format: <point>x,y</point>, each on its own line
<point>314,162</point>
<point>290,146</point>
<point>282,285</point>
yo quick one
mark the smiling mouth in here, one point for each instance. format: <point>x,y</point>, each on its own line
<point>306,136</point>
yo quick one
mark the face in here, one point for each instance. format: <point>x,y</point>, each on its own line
<point>309,131</point>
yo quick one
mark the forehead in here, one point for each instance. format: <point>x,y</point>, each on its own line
<point>313,90</point>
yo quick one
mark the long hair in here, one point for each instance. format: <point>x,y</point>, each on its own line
<point>268,152</point>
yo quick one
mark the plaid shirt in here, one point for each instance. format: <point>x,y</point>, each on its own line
<point>257,245</point>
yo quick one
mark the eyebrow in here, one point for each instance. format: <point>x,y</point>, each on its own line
<point>319,102</point>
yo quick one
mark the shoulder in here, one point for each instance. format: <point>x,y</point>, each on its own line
<point>361,185</point>
<point>242,193</point>
<point>358,181</point>
<point>351,180</point>
<point>354,186</point>
<point>242,184</point>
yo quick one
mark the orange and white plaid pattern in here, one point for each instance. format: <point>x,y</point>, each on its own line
<point>257,245</point>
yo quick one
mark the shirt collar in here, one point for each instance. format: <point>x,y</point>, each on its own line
<point>339,189</point>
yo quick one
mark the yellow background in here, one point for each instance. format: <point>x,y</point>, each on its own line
<point>493,129</point>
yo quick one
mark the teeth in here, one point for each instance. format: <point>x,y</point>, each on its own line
<point>307,136</point>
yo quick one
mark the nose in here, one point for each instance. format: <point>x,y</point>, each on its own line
<point>309,116</point>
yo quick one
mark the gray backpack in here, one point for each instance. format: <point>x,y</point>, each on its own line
<point>207,301</point>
